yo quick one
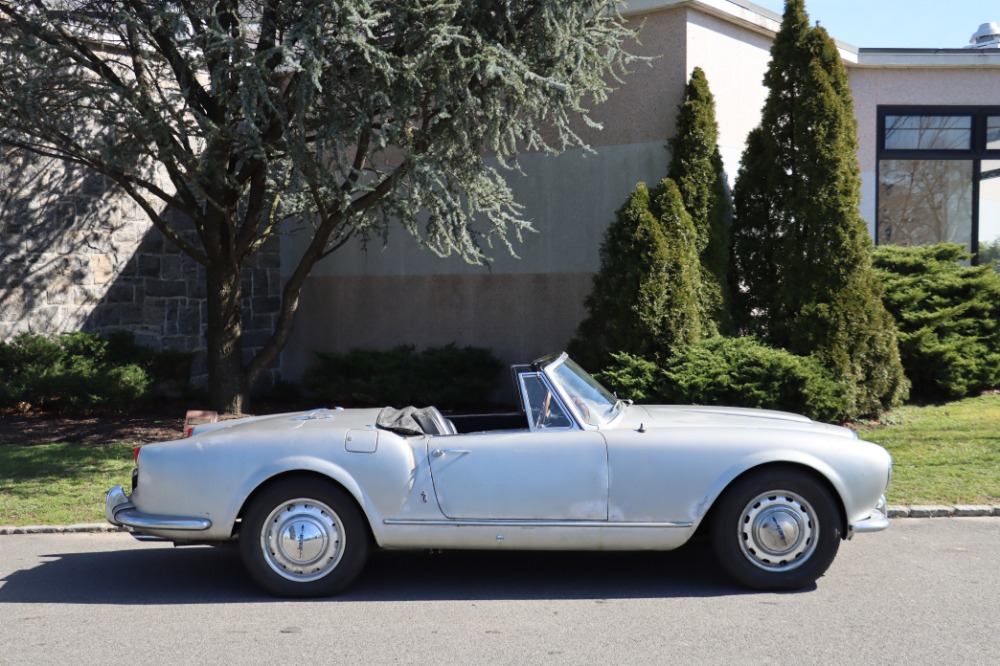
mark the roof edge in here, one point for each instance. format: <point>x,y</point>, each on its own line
<point>958,58</point>
<point>738,12</point>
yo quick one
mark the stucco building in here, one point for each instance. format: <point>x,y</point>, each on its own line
<point>929,134</point>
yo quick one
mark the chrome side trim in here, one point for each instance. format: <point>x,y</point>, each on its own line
<point>528,523</point>
<point>119,510</point>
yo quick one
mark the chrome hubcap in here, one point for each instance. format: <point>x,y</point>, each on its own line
<point>778,531</point>
<point>303,540</point>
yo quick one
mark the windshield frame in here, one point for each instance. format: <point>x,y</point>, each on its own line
<point>591,403</point>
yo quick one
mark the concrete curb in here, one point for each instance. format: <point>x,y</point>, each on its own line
<point>79,528</point>
<point>914,511</point>
<point>944,511</point>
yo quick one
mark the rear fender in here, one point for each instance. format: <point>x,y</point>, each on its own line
<point>294,464</point>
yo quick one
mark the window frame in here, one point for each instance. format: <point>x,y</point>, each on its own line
<point>978,152</point>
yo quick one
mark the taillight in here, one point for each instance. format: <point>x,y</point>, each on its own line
<point>135,455</point>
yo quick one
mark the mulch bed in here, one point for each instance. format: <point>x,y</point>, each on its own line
<point>157,424</point>
<point>44,428</point>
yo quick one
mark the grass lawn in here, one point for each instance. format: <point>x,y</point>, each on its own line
<point>60,484</point>
<point>944,454</point>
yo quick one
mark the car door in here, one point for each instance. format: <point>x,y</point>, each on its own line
<point>555,474</point>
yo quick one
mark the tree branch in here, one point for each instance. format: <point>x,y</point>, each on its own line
<point>187,80</point>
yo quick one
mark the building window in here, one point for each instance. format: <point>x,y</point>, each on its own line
<point>989,211</point>
<point>925,201</point>
<point>939,177</point>
<point>928,132</point>
<point>993,133</point>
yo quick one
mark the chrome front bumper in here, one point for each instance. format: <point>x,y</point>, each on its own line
<point>876,522</point>
<point>119,510</point>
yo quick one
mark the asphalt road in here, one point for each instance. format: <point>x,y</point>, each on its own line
<point>925,592</point>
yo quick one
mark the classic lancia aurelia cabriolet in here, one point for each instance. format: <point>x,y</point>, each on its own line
<point>306,496</point>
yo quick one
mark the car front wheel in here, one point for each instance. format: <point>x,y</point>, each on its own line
<point>777,529</point>
<point>303,538</point>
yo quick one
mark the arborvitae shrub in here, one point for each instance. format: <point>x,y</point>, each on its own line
<point>801,252</point>
<point>948,316</point>
<point>646,297</point>
<point>696,167</point>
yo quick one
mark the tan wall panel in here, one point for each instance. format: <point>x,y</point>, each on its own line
<point>643,107</point>
<point>380,312</point>
<point>734,59</point>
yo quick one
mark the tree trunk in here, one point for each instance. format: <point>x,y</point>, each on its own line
<point>227,385</point>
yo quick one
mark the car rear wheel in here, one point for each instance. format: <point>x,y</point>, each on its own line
<point>777,529</point>
<point>303,538</point>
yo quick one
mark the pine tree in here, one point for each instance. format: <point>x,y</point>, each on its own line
<point>801,252</point>
<point>696,167</point>
<point>645,297</point>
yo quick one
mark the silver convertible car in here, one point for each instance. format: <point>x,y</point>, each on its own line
<point>306,496</point>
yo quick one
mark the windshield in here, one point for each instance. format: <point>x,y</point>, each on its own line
<point>597,405</point>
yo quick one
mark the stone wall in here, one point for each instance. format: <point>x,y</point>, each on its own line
<point>74,255</point>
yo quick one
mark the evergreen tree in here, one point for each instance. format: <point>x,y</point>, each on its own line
<point>352,117</point>
<point>645,297</point>
<point>696,167</point>
<point>801,252</point>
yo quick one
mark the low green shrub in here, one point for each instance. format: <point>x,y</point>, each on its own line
<point>948,316</point>
<point>448,377</point>
<point>738,372</point>
<point>164,366</point>
<point>84,370</point>
<point>128,384</point>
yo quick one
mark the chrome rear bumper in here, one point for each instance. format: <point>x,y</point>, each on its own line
<point>119,510</point>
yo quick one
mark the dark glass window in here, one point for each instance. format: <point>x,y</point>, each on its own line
<point>939,177</point>
<point>989,211</point>
<point>993,133</point>
<point>925,201</point>
<point>928,132</point>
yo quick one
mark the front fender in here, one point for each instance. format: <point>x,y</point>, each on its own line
<point>759,460</point>
<point>858,477</point>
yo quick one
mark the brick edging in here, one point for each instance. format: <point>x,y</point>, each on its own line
<point>914,511</point>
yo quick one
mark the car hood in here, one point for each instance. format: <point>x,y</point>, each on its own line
<point>673,416</point>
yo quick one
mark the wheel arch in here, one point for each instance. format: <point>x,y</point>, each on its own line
<point>820,478</point>
<point>350,489</point>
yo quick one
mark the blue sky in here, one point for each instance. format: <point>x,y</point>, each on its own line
<point>898,23</point>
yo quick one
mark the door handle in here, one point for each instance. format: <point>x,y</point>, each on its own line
<point>437,453</point>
